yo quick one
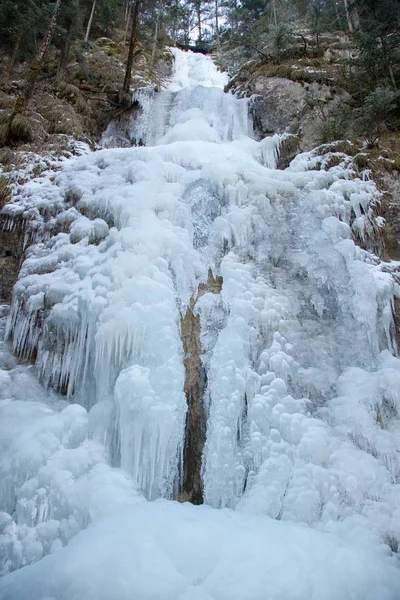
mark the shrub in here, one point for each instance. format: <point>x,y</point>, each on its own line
<point>376,114</point>
<point>20,128</point>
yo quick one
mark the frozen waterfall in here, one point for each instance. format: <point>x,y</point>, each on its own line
<point>300,381</point>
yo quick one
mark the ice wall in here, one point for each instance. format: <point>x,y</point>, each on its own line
<point>302,395</point>
<point>193,107</point>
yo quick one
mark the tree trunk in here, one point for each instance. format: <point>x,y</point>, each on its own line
<point>62,65</point>
<point>36,66</point>
<point>126,10</point>
<point>217,23</point>
<point>15,53</point>
<point>71,28</point>
<point>198,10</point>
<point>89,25</point>
<point>274,13</point>
<point>346,10</point>
<point>128,19</point>
<point>132,46</point>
<point>155,39</point>
<point>22,102</point>
<point>352,16</point>
<point>175,22</point>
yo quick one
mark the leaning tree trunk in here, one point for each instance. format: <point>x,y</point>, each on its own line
<point>23,100</point>
<point>89,25</point>
<point>132,47</point>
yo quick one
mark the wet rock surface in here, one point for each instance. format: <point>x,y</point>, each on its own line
<point>11,250</point>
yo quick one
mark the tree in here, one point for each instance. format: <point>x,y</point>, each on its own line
<point>89,25</point>
<point>21,24</point>
<point>37,64</point>
<point>131,53</point>
<point>352,16</point>
<point>17,125</point>
<point>217,23</point>
<point>379,40</point>
<point>67,29</point>
<point>155,38</point>
<point>375,115</point>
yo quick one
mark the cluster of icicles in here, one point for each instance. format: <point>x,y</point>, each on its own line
<point>303,386</point>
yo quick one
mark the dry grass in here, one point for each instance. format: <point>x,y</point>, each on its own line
<point>3,133</point>
<point>7,158</point>
<point>384,158</point>
<point>343,146</point>
<point>20,128</point>
<point>6,101</point>
<point>73,95</point>
<point>61,116</point>
<point>302,70</point>
<point>109,46</point>
<point>5,192</point>
<point>17,127</point>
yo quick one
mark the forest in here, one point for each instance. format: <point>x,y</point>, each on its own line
<point>50,41</point>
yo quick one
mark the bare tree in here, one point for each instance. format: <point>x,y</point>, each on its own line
<point>132,48</point>
<point>89,25</point>
<point>36,66</point>
<point>17,124</point>
<point>352,16</point>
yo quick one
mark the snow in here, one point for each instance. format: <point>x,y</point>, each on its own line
<point>180,552</point>
<point>301,462</point>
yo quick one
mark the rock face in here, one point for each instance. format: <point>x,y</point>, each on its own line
<point>390,184</point>
<point>195,385</point>
<point>282,105</point>
<point>279,105</point>
<point>11,249</point>
<point>293,97</point>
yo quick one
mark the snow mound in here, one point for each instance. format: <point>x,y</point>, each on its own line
<point>172,551</point>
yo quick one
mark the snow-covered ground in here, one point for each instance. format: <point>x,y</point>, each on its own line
<point>302,456</point>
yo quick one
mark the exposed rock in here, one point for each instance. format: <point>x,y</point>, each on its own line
<point>195,385</point>
<point>108,45</point>
<point>389,182</point>
<point>11,250</point>
<point>282,105</point>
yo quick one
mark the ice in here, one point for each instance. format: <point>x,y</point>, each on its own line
<point>191,69</point>
<point>148,550</point>
<point>150,425</point>
<point>54,480</point>
<point>300,380</point>
<point>193,107</point>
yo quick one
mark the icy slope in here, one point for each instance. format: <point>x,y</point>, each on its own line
<point>302,385</point>
<point>170,551</point>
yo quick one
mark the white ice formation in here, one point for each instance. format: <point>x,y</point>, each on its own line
<point>303,382</point>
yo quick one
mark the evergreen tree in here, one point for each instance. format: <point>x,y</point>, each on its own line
<point>378,38</point>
